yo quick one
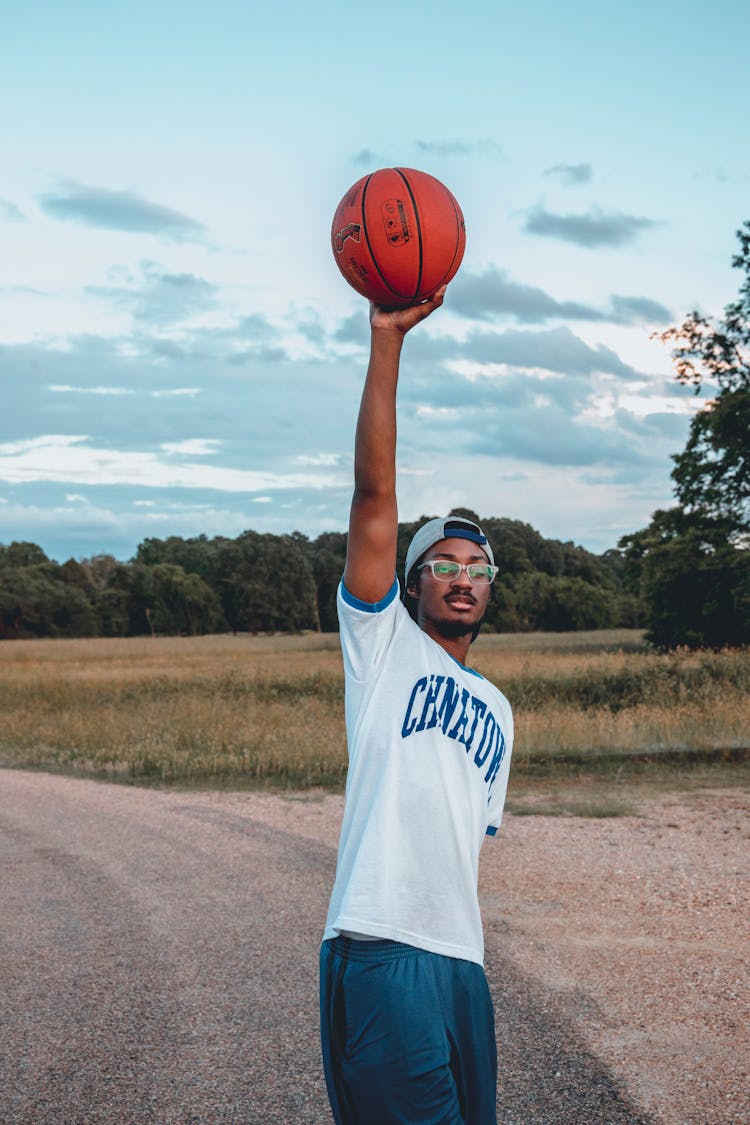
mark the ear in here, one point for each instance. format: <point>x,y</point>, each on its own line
<point>412,591</point>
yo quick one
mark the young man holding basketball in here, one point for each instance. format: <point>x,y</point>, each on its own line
<point>406,1018</point>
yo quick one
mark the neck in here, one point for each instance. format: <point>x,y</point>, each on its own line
<point>456,645</point>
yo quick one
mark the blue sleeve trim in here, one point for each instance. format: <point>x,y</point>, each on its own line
<point>491,830</point>
<point>370,607</point>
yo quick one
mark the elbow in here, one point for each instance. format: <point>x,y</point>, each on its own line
<point>374,492</point>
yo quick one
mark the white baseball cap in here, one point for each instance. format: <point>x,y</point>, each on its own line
<point>445,527</point>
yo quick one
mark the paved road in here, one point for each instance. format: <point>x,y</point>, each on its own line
<point>158,963</point>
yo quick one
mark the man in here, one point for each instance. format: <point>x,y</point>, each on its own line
<point>406,1018</point>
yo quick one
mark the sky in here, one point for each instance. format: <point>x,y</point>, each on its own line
<point>178,352</point>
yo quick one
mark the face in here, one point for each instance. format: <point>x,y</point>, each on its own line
<point>451,608</point>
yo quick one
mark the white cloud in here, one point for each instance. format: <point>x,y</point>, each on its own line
<point>640,406</point>
<point>65,388</point>
<point>192,447</point>
<point>30,444</point>
<point>426,411</point>
<point>177,392</point>
<point>66,458</point>
<point>604,509</point>
<point>473,370</point>
<point>325,460</point>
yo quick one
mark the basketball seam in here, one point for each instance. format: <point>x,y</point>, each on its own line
<point>395,292</point>
<point>419,229</point>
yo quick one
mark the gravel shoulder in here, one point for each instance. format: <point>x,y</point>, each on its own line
<point>639,926</point>
<point>158,951</point>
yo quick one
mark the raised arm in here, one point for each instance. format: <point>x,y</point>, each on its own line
<point>373,520</point>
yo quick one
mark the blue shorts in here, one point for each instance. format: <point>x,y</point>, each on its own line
<point>408,1036</point>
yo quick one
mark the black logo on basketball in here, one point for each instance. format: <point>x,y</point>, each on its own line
<point>393,214</point>
<point>351,230</point>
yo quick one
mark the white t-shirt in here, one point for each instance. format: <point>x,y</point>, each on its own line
<point>429,754</point>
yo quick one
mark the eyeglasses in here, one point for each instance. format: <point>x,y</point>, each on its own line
<point>444,570</point>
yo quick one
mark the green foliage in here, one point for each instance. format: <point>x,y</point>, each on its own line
<point>268,583</point>
<point>124,601</point>
<point>691,565</point>
<point>183,603</point>
<point>694,580</point>
<point>544,584</point>
<point>33,603</point>
<point>712,474</point>
<point>19,554</point>
<point>265,583</point>
<point>562,604</point>
<point>195,556</point>
<point>328,556</point>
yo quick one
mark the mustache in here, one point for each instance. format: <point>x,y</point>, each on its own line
<point>464,597</point>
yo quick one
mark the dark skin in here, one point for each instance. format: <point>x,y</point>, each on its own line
<point>450,611</point>
<point>447,611</point>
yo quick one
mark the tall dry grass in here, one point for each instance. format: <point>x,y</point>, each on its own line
<point>253,710</point>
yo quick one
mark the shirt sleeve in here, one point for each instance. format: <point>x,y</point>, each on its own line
<point>366,629</point>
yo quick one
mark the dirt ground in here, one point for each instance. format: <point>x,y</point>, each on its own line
<point>641,922</point>
<point>158,951</point>
<point>638,924</point>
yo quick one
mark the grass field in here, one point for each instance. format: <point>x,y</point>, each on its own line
<point>242,710</point>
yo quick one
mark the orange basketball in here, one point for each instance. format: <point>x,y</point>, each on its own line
<point>397,236</point>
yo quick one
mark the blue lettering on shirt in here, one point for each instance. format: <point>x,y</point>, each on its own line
<point>449,702</point>
<point>440,701</point>
<point>430,715</point>
<point>409,722</point>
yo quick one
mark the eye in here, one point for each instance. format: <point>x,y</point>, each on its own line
<point>445,569</point>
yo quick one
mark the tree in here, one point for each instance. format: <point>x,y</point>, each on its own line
<point>33,603</point>
<point>328,558</point>
<point>125,600</point>
<point>265,583</point>
<point>561,604</point>
<point>21,553</point>
<point>195,556</point>
<point>99,569</point>
<point>183,603</point>
<point>712,474</point>
<point>691,565</point>
<point>693,579</point>
<point>544,583</point>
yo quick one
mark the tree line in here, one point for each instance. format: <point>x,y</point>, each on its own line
<point>287,583</point>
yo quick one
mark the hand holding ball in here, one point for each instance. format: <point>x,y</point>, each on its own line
<point>397,236</point>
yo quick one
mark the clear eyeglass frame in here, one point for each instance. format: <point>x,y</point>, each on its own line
<point>446,570</point>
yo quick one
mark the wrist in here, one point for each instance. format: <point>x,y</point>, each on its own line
<point>386,338</point>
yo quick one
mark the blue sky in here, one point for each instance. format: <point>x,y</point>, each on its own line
<point>178,352</point>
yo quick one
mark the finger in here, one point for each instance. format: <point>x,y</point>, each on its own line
<point>433,302</point>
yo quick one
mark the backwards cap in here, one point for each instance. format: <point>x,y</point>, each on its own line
<point>447,527</point>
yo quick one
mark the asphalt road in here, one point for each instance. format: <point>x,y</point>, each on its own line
<point>158,963</point>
